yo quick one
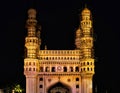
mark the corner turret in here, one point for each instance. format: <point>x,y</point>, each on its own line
<point>77,39</point>
<point>87,61</point>
<point>32,44</point>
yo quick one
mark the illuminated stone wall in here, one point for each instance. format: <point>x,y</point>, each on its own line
<point>49,71</point>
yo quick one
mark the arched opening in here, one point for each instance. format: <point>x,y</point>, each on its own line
<point>53,69</point>
<point>65,69</point>
<point>59,88</point>
<point>77,69</point>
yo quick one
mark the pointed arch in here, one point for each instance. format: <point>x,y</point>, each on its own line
<point>59,87</point>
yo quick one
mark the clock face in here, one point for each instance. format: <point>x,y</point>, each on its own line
<point>59,68</point>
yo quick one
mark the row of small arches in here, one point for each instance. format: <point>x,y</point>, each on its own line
<point>59,52</point>
<point>86,23</point>
<point>86,40</point>
<point>32,40</point>
<point>82,64</point>
<point>31,69</point>
<point>62,69</point>
<point>86,63</point>
<point>87,69</point>
<point>59,58</point>
<point>30,63</point>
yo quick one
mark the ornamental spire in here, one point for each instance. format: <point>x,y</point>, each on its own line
<point>77,39</point>
<point>31,22</point>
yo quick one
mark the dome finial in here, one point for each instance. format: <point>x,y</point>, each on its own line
<point>31,11</point>
<point>85,5</point>
<point>85,11</point>
<point>45,47</point>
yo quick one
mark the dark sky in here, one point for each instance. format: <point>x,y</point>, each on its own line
<point>59,19</point>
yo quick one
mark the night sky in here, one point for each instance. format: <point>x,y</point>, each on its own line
<point>59,20</point>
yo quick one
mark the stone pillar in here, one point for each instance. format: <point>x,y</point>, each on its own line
<point>86,85</point>
<point>31,84</point>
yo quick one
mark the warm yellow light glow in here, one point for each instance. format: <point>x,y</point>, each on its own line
<point>73,69</point>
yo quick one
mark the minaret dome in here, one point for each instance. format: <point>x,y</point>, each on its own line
<point>86,11</point>
<point>32,13</point>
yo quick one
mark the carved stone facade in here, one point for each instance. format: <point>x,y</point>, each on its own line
<point>59,71</point>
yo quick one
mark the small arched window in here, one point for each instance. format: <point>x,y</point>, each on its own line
<point>41,86</point>
<point>41,69</point>
<point>84,63</point>
<point>29,63</point>
<point>53,69</point>
<point>84,69</point>
<point>87,63</point>
<point>88,68</point>
<point>91,69</point>
<point>77,69</point>
<point>77,86</point>
<point>41,79</point>
<point>65,69</point>
<point>67,58</point>
<point>91,63</point>
<point>81,69</point>
<point>33,69</point>
<point>64,57</point>
<point>77,79</point>
<point>29,69</point>
<point>46,58</point>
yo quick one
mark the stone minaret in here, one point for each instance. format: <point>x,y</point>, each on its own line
<point>77,39</point>
<point>59,71</point>
<point>32,43</point>
<point>86,47</point>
